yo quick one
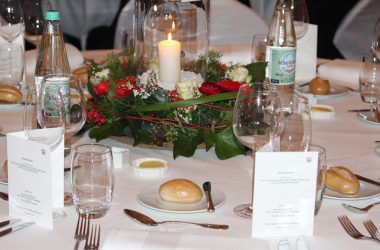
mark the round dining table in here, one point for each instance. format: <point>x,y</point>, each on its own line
<point>348,140</point>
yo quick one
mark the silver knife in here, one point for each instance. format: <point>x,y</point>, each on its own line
<point>207,189</point>
<point>377,183</point>
<point>15,228</point>
<point>9,222</point>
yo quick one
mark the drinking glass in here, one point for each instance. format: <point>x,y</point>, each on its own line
<point>75,104</point>
<point>255,120</point>
<point>34,11</point>
<point>11,19</point>
<point>300,17</point>
<point>369,79</point>
<point>11,64</point>
<point>44,115</point>
<point>321,176</point>
<point>376,39</point>
<point>259,47</point>
<point>92,179</point>
<point>296,130</point>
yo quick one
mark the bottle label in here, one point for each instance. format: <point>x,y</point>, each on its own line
<point>52,103</point>
<point>282,65</point>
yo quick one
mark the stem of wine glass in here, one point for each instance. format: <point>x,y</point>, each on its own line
<point>253,177</point>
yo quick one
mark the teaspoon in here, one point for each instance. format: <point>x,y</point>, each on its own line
<point>360,210</point>
<point>139,217</point>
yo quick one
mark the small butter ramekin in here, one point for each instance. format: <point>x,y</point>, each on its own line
<point>149,172</point>
<point>322,114</point>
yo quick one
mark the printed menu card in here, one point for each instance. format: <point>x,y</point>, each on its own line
<point>35,179</point>
<point>284,193</point>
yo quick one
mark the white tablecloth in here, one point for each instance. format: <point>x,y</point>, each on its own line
<point>348,142</point>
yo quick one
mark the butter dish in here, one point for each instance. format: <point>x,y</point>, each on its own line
<point>149,167</point>
<point>322,112</point>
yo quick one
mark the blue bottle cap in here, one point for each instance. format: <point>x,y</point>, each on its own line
<point>52,15</point>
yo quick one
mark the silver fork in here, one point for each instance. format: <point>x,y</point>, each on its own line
<point>81,230</point>
<point>351,230</point>
<point>372,229</point>
<point>93,238</point>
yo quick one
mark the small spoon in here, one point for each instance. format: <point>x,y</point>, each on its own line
<point>210,204</point>
<point>359,210</point>
<point>139,217</point>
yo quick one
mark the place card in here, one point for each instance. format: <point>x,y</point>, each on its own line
<point>35,179</point>
<point>284,193</point>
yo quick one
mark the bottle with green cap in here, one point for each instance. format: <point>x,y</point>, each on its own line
<point>52,57</point>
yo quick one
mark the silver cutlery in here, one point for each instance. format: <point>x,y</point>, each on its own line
<point>360,210</point>
<point>9,222</point>
<point>93,238</point>
<point>15,228</point>
<point>207,189</point>
<point>4,196</point>
<point>372,229</point>
<point>362,178</point>
<point>139,217</point>
<point>351,229</point>
<point>361,110</point>
<point>82,229</point>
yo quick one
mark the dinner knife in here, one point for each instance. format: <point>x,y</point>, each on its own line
<point>207,189</point>
<point>15,228</point>
<point>8,222</point>
<point>360,110</point>
<point>377,183</point>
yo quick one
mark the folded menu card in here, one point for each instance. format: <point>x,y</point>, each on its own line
<point>284,193</point>
<point>35,179</point>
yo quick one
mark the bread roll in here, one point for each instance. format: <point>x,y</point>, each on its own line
<point>9,94</point>
<point>82,73</point>
<point>180,190</point>
<point>319,86</point>
<point>342,180</point>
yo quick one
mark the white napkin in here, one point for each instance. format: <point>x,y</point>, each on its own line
<point>74,55</point>
<point>343,71</point>
<point>234,53</point>
<point>137,240</point>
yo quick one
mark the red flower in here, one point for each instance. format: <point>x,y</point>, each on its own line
<point>209,88</point>
<point>125,86</point>
<point>94,116</point>
<point>122,92</point>
<point>173,97</point>
<point>102,88</point>
<point>229,86</point>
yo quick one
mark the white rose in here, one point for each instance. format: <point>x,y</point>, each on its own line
<point>238,74</point>
<point>187,90</point>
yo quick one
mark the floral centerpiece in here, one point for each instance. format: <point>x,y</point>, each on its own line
<point>187,116</point>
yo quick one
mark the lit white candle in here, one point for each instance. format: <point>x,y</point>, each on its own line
<point>169,60</point>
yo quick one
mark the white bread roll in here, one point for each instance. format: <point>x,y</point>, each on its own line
<point>342,180</point>
<point>180,190</point>
<point>9,94</point>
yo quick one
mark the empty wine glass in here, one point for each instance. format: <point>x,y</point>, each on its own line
<point>74,101</point>
<point>12,64</point>
<point>11,19</point>
<point>376,39</point>
<point>369,79</point>
<point>34,11</point>
<point>300,17</point>
<point>255,120</point>
<point>44,115</point>
<point>296,130</point>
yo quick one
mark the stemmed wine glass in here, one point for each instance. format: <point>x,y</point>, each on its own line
<point>300,17</point>
<point>296,130</point>
<point>376,39</point>
<point>256,118</point>
<point>34,11</point>
<point>369,79</point>
<point>11,19</point>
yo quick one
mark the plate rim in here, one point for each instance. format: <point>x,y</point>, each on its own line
<point>354,198</point>
<point>156,186</point>
<point>360,116</point>
<point>337,85</point>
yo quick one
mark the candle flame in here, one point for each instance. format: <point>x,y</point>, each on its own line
<point>173,25</point>
<point>170,37</point>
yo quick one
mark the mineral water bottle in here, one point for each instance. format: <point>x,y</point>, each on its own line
<point>52,57</point>
<point>281,53</point>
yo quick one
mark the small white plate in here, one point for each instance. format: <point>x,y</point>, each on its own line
<point>149,197</point>
<point>367,191</point>
<point>11,105</point>
<point>336,90</point>
<point>368,117</point>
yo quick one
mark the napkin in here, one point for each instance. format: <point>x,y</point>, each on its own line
<point>234,53</point>
<point>74,55</point>
<point>137,240</point>
<point>344,71</point>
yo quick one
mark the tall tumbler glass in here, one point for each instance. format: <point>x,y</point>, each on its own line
<point>92,179</point>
